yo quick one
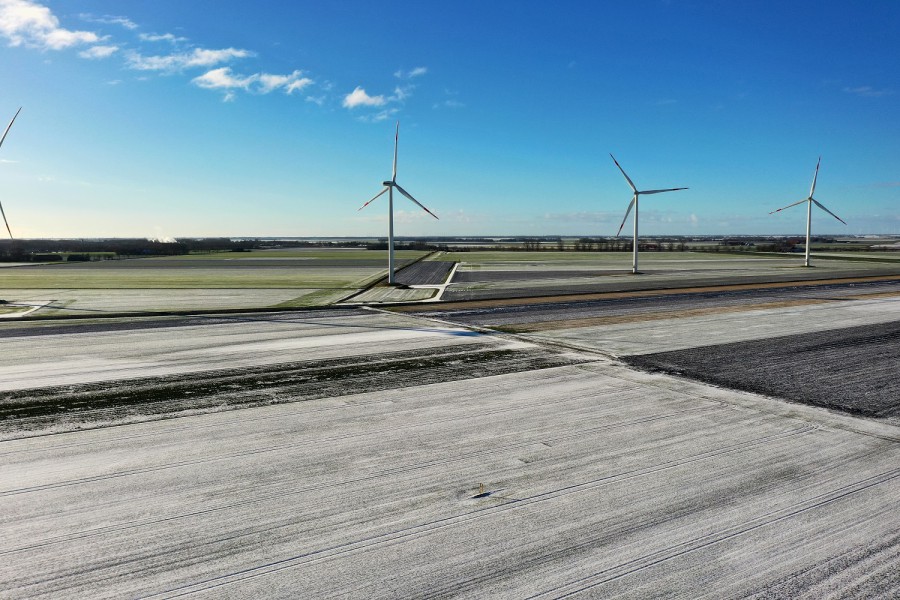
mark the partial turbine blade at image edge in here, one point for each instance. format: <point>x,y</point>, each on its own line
<point>422,206</point>
<point>819,204</point>
<point>5,222</point>
<point>627,212</point>
<point>788,206</point>
<point>10,125</point>
<point>812,190</point>
<point>627,178</point>
<point>396,143</point>
<point>373,199</point>
<point>661,191</point>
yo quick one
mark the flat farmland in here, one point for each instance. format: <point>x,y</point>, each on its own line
<point>215,281</point>
<point>490,275</point>
<point>827,344</point>
<point>523,472</point>
<point>627,443</point>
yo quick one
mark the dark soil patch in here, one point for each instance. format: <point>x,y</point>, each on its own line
<point>854,370</point>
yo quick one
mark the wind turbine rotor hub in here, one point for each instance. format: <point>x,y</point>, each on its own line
<point>387,183</point>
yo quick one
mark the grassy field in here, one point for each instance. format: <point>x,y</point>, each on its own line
<point>258,279</point>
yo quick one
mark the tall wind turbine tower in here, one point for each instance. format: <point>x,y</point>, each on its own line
<point>2,212</point>
<point>634,203</point>
<point>809,202</point>
<point>389,188</point>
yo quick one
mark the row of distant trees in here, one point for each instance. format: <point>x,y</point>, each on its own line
<point>82,250</point>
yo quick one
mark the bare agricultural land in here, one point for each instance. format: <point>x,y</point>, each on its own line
<point>574,476</point>
<point>257,279</point>
<point>496,275</point>
<point>852,369</point>
<point>504,449</point>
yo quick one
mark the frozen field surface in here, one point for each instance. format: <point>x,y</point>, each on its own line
<point>65,353</point>
<point>362,454</point>
<point>589,480</point>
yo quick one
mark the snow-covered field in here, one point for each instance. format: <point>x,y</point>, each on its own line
<point>588,479</point>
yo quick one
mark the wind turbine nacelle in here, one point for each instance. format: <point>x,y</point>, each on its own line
<point>387,183</point>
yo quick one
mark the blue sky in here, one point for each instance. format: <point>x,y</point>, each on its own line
<point>206,118</point>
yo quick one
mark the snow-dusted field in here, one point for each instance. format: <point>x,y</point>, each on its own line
<point>597,480</point>
<point>73,353</point>
<point>589,479</point>
<point>681,331</point>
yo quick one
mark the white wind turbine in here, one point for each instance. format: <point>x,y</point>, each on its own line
<point>389,188</point>
<point>1,143</point>
<point>809,202</point>
<point>634,203</point>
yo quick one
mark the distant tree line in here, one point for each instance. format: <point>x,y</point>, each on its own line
<point>84,250</point>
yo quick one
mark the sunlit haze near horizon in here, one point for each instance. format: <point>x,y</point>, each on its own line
<point>172,118</point>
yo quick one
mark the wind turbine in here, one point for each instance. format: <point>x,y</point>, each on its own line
<point>389,188</point>
<point>809,202</point>
<point>1,143</point>
<point>634,203</point>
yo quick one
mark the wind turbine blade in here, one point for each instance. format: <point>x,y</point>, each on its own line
<point>373,199</point>
<point>661,191</point>
<point>396,142</point>
<point>6,222</point>
<point>819,204</point>
<point>405,193</point>
<point>627,212</point>
<point>628,179</point>
<point>812,190</point>
<point>788,206</point>
<point>10,125</point>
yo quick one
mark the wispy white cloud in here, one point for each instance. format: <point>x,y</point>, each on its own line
<point>109,20</point>
<point>258,83</point>
<point>291,83</point>
<point>198,57</point>
<point>223,79</point>
<point>417,72</point>
<point>161,37</point>
<point>359,97</point>
<point>450,103</point>
<point>382,115</point>
<point>867,91</point>
<point>402,93</point>
<point>27,23</point>
<point>96,52</point>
